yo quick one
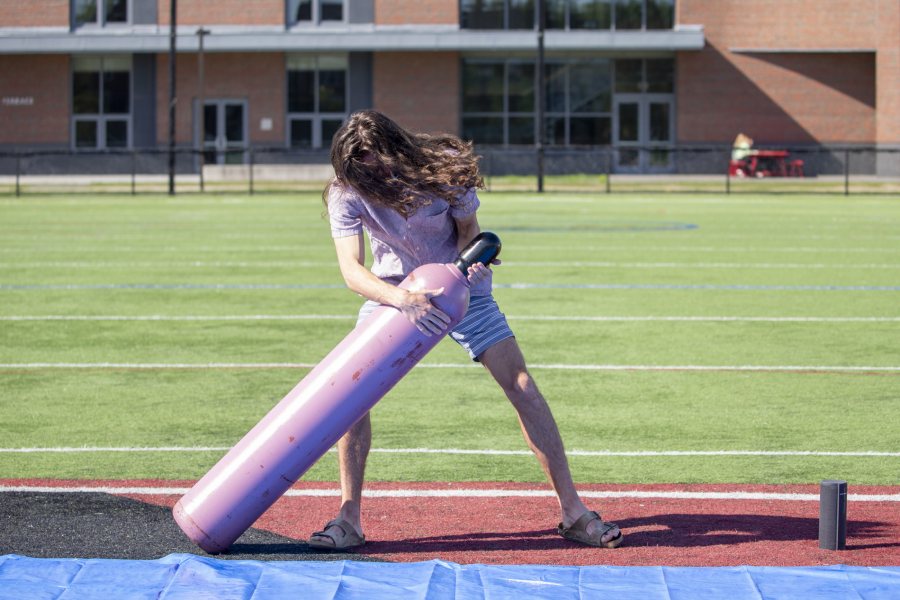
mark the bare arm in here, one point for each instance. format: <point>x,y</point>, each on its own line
<point>466,229</point>
<point>416,306</point>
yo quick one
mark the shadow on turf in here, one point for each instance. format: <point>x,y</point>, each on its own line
<point>671,530</point>
<point>692,530</point>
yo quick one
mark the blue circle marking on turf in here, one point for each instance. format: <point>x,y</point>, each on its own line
<point>511,286</point>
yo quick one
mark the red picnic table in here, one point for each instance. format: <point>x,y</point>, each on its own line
<point>767,163</point>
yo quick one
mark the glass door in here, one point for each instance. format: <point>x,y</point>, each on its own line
<point>643,132</point>
<point>660,113</point>
<point>628,132</point>
<point>224,132</point>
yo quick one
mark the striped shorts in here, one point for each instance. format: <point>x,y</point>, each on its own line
<point>482,327</point>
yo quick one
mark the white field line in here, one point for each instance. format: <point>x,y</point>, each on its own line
<point>578,319</point>
<point>465,451</point>
<point>472,493</point>
<point>514,264</point>
<point>549,367</point>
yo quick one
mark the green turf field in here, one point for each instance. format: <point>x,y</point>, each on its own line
<point>149,322</point>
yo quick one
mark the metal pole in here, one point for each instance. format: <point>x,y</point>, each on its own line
<point>250,153</point>
<point>539,95</point>
<point>18,171</point>
<point>173,24</point>
<point>728,179</point>
<point>846,171</point>
<point>608,170</point>
<point>133,171</point>
<point>201,102</point>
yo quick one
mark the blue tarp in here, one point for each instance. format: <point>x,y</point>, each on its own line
<point>187,576</point>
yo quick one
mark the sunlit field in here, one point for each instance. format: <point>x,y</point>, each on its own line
<point>678,338</point>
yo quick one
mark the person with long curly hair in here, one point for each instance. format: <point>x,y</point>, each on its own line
<point>415,196</point>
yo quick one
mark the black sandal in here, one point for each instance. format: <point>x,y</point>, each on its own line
<point>577,531</point>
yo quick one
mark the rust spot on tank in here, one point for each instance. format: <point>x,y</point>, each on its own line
<point>291,439</point>
<point>413,355</point>
<point>357,374</point>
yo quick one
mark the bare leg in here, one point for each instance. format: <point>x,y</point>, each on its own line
<point>353,449</point>
<point>506,364</point>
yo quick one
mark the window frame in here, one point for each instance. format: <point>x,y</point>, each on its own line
<point>506,18</point>
<point>566,114</point>
<point>567,18</point>
<point>101,117</point>
<point>315,19</point>
<point>316,117</point>
<point>101,21</point>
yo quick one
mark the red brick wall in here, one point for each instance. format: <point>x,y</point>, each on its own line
<point>258,78</point>
<point>35,13</point>
<point>809,24</point>
<point>888,72</point>
<point>776,98</point>
<point>779,97</point>
<point>224,12</point>
<point>420,90</point>
<point>419,12</point>
<point>46,80</point>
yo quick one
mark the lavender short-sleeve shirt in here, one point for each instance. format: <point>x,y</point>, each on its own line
<point>400,244</point>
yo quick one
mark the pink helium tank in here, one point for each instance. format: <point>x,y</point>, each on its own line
<point>322,407</point>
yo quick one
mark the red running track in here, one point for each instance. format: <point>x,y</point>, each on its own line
<point>467,528</point>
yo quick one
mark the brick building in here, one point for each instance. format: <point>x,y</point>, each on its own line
<point>94,74</point>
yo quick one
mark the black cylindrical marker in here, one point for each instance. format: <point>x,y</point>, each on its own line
<point>833,515</point>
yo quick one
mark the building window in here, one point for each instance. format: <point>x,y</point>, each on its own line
<point>651,75</point>
<point>568,14</point>
<point>579,103</point>
<point>499,106</point>
<point>100,12</point>
<point>317,98</point>
<point>313,12</point>
<point>101,102</point>
<point>659,14</point>
<point>644,14</point>
<point>497,14</point>
<point>579,14</point>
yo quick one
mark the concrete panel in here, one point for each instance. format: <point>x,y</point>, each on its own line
<point>360,81</point>
<point>143,12</point>
<point>360,11</point>
<point>144,102</point>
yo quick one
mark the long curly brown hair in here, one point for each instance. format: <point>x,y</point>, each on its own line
<point>399,169</point>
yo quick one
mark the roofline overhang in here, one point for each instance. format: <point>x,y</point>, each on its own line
<point>152,39</point>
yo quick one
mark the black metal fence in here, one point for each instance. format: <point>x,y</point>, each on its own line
<point>809,169</point>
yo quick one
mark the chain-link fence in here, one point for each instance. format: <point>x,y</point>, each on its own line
<point>698,169</point>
